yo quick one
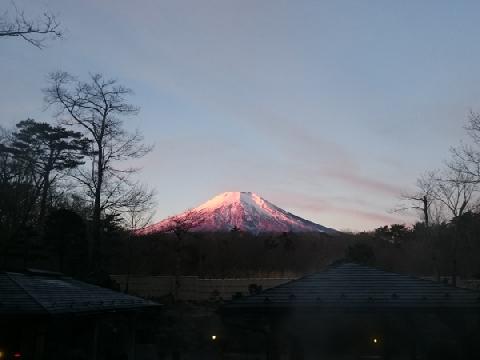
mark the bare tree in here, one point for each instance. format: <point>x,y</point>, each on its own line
<point>423,198</point>
<point>98,107</point>
<point>455,189</point>
<point>465,165</point>
<point>180,225</point>
<point>5,137</point>
<point>138,212</point>
<point>34,31</point>
<point>139,207</point>
<point>466,157</point>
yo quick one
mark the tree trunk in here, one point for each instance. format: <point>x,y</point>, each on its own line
<point>43,199</point>
<point>425,211</point>
<point>454,262</point>
<point>178,265</point>
<point>46,186</point>
<point>129,263</point>
<point>97,231</point>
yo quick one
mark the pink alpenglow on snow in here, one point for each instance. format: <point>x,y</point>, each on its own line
<point>244,210</point>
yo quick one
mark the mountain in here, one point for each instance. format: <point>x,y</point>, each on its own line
<point>245,210</point>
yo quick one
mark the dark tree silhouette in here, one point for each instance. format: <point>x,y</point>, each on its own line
<point>360,253</point>
<point>466,158</point>
<point>180,226</point>
<point>65,232</point>
<point>139,211</point>
<point>31,160</point>
<point>456,191</point>
<point>97,107</point>
<point>49,151</point>
<point>423,198</point>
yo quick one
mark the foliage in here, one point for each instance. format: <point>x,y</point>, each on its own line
<point>65,234</point>
<point>360,253</point>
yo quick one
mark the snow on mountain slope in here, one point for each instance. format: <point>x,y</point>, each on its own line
<point>244,210</point>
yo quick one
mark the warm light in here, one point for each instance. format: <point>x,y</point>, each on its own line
<point>1,354</point>
<point>375,340</point>
<point>214,337</point>
<point>17,355</point>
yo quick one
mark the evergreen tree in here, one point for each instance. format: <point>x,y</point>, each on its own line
<point>48,151</point>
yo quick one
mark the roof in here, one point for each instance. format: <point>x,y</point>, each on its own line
<point>350,286</point>
<point>54,294</point>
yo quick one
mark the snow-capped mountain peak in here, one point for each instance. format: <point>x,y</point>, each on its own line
<point>231,198</point>
<point>246,211</point>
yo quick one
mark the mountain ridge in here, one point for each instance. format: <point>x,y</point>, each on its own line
<point>245,211</point>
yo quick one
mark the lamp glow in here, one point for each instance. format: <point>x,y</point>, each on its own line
<point>214,337</point>
<point>375,340</point>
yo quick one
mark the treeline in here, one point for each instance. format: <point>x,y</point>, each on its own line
<point>233,254</point>
<point>445,250</point>
<point>418,250</point>
<point>64,188</point>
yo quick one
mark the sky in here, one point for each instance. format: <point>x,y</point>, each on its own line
<point>328,109</point>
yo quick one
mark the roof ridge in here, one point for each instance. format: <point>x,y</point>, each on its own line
<point>410,276</point>
<point>333,281</point>
<point>26,290</point>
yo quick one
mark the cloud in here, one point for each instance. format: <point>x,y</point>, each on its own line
<point>336,212</point>
<point>318,156</point>
<point>366,183</point>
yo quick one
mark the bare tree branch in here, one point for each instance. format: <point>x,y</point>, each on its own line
<point>98,107</point>
<point>33,31</point>
<point>423,198</point>
<point>455,189</point>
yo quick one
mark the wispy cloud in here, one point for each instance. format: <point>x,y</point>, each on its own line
<point>311,154</point>
<point>336,212</point>
<point>365,183</point>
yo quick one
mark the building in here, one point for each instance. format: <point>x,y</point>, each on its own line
<point>351,311</point>
<point>46,315</point>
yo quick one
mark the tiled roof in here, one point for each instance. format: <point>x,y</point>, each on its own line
<point>47,294</point>
<point>350,286</point>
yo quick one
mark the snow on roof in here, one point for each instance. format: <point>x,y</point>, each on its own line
<point>47,294</point>
<point>359,287</point>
